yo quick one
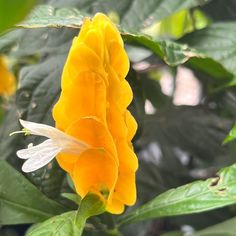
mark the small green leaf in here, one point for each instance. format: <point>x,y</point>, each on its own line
<point>21,202</point>
<point>13,12</point>
<point>195,197</point>
<point>231,136</point>
<point>61,225</point>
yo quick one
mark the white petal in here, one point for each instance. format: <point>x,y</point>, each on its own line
<point>38,156</point>
<point>30,151</point>
<point>40,129</point>
<point>63,140</point>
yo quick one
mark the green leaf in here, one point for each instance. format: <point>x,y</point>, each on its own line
<point>217,42</point>
<point>48,16</point>
<point>61,225</point>
<point>226,228</point>
<point>21,202</point>
<point>155,10</point>
<point>195,197</point>
<point>140,17</point>
<point>71,223</point>
<point>13,12</point>
<point>231,136</point>
<point>172,53</point>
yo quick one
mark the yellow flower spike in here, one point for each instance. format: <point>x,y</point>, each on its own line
<point>94,129</point>
<point>7,79</point>
<point>93,108</point>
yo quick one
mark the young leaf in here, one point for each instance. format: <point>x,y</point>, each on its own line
<point>195,197</point>
<point>21,202</point>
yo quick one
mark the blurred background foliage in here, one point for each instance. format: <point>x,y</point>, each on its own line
<point>183,75</point>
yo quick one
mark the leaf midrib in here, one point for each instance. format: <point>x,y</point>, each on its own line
<point>28,209</point>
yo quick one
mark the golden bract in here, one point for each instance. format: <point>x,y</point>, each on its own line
<point>93,108</point>
<point>7,79</point>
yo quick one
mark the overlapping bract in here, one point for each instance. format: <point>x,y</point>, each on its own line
<point>93,108</point>
<point>7,79</point>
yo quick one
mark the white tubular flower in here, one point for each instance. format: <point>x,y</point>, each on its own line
<point>41,154</point>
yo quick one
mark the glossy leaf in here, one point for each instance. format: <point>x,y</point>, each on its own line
<point>191,198</point>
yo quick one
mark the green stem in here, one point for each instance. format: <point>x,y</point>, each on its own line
<point>79,224</point>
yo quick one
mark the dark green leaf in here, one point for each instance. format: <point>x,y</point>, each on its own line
<point>21,202</point>
<point>217,42</point>
<point>195,197</point>
<point>219,11</point>
<point>37,82</point>
<point>173,127</point>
